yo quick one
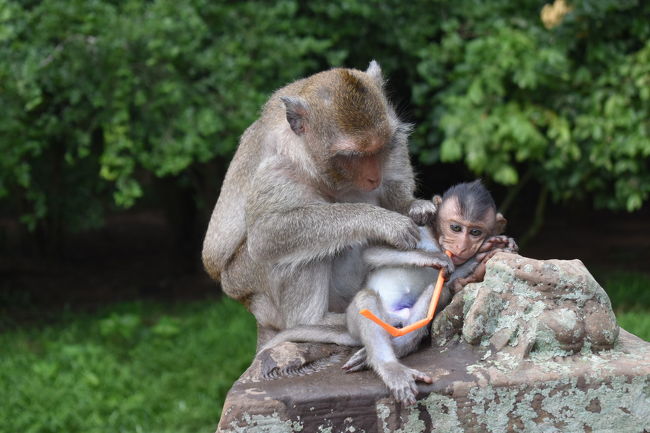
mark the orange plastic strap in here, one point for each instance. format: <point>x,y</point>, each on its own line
<point>397,332</point>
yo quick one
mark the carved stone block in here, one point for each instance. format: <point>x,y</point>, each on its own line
<point>534,347</point>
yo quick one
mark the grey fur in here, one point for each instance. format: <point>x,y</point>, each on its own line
<point>281,220</point>
<point>395,276</point>
<point>474,200</point>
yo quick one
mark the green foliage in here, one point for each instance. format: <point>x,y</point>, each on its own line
<point>569,103</point>
<point>99,97</point>
<point>96,94</point>
<point>140,367</point>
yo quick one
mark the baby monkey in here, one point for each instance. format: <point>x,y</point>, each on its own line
<point>400,284</point>
<point>399,288</point>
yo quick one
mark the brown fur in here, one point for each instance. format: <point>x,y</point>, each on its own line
<point>290,204</point>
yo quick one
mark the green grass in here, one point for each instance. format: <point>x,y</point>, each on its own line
<point>638,323</point>
<point>630,296</point>
<point>147,367</point>
<point>137,368</point>
<point>627,290</point>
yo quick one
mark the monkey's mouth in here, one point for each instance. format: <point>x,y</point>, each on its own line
<point>457,260</point>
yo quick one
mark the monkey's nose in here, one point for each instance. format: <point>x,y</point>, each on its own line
<point>371,184</point>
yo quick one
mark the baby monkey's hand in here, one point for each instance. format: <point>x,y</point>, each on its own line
<point>435,260</point>
<point>494,244</point>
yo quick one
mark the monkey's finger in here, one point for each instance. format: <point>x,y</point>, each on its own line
<point>491,245</point>
<point>405,394</point>
<point>415,232</point>
<point>487,256</point>
<point>412,393</point>
<point>408,239</point>
<point>408,399</point>
<point>449,267</point>
<point>359,355</point>
<point>445,264</point>
<point>356,368</point>
<point>494,242</point>
<point>423,212</point>
<point>421,377</point>
<point>482,256</point>
<point>487,246</point>
<point>355,364</point>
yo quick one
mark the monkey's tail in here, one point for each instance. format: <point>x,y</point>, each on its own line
<point>313,334</point>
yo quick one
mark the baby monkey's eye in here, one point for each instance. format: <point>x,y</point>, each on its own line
<point>475,232</point>
<point>455,228</point>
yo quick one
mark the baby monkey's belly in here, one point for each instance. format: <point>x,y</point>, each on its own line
<point>399,288</point>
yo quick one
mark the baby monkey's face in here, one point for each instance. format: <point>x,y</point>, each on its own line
<point>460,236</point>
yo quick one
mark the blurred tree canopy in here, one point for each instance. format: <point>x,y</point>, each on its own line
<point>101,98</point>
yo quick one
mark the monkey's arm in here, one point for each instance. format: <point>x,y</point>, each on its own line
<point>315,231</point>
<point>377,257</point>
<point>288,221</point>
<point>227,230</point>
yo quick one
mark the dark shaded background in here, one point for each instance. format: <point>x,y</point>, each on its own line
<point>120,118</point>
<point>139,255</point>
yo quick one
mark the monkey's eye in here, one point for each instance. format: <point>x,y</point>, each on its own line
<point>455,228</point>
<point>475,232</point>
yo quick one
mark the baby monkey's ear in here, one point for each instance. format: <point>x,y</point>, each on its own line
<point>500,225</point>
<point>437,200</point>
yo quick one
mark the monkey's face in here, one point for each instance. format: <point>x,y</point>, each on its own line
<point>363,172</point>
<point>461,237</point>
<point>359,163</point>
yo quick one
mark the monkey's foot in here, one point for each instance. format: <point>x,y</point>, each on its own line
<point>357,362</point>
<point>293,359</point>
<point>400,380</point>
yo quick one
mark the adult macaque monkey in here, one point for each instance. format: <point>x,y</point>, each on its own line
<point>399,288</point>
<point>323,171</point>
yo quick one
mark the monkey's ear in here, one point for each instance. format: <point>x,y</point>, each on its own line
<point>437,200</point>
<point>374,71</point>
<point>297,110</point>
<point>500,225</point>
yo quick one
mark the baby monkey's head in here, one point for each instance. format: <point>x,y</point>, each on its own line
<point>466,217</point>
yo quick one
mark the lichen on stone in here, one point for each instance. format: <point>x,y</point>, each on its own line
<point>549,308</point>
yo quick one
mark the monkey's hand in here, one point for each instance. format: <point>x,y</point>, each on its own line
<point>459,283</point>
<point>377,257</point>
<point>398,230</point>
<point>500,243</point>
<point>478,273</point>
<point>431,259</point>
<point>401,380</point>
<point>423,212</point>
<point>357,362</point>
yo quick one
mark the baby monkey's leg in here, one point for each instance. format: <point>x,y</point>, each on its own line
<point>380,354</point>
